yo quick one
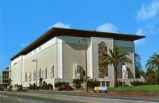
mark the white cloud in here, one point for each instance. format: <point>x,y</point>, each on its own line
<point>148,11</point>
<point>108,27</point>
<point>140,41</point>
<point>24,44</point>
<point>139,32</point>
<point>61,25</point>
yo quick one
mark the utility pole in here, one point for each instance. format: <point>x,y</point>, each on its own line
<point>85,47</point>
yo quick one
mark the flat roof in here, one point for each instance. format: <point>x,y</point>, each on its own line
<point>74,32</point>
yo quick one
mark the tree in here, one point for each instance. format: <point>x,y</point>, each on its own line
<point>152,65</point>
<point>116,56</point>
<point>154,61</point>
<point>138,67</point>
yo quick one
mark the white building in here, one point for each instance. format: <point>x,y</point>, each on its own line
<point>59,55</point>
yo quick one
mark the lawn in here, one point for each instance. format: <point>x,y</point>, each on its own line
<point>145,89</point>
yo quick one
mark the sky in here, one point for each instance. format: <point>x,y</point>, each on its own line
<point>23,21</point>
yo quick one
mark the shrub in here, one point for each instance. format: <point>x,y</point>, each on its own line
<point>91,83</point>
<point>58,84</point>
<point>32,87</point>
<point>120,83</point>
<point>50,86</point>
<point>137,83</point>
<point>77,83</point>
<point>20,87</point>
<point>44,85</point>
<point>63,86</point>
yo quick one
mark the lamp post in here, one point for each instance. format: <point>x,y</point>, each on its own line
<point>85,47</point>
<point>36,61</point>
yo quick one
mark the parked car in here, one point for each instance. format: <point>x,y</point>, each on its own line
<point>101,89</point>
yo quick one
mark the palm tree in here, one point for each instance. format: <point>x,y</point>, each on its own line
<point>116,56</point>
<point>153,62</point>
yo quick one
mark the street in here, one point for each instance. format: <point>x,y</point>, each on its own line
<point>7,98</point>
<point>10,97</point>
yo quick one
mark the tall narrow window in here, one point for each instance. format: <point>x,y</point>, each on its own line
<point>34,75</point>
<point>26,78</point>
<point>46,72</point>
<point>52,72</point>
<point>43,75</point>
<point>30,76</point>
<point>39,73</point>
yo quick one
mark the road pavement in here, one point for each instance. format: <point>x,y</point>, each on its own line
<point>9,98</point>
<point>25,97</point>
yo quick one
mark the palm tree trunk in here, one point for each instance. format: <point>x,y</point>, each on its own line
<point>115,76</point>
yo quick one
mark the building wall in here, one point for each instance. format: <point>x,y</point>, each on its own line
<point>127,46</point>
<point>5,77</point>
<point>16,70</point>
<point>73,53</point>
<point>109,44</point>
<point>1,77</point>
<point>62,53</point>
<point>46,55</point>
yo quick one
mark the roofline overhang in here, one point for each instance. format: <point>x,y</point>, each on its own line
<point>77,33</point>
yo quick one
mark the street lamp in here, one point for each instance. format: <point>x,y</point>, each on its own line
<point>36,61</point>
<point>85,45</point>
<point>85,48</point>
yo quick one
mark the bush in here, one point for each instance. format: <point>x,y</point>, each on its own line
<point>91,83</point>
<point>137,83</point>
<point>58,84</point>
<point>63,86</point>
<point>32,87</point>
<point>77,83</point>
<point>120,83</point>
<point>46,86</point>
<point>50,86</point>
<point>20,87</point>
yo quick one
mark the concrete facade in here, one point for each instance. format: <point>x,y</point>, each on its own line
<point>56,59</point>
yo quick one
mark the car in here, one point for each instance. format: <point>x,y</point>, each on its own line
<point>101,89</point>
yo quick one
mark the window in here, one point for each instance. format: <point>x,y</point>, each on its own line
<point>34,75</point>
<point>46,72</point>
<point>30,76</point>
<point>39,73</point>
<point>52,72</point>
<point>43,74</point>
<point>26,78</point>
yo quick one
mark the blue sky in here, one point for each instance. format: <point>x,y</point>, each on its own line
<point>23,21</point>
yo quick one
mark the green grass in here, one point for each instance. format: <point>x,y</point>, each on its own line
<point>145,89</point>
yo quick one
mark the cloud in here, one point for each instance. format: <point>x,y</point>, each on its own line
<point>148,11</point>
<point>141,41</point>
<point>24,44</point>
<point>61,25</point>
<point>108,27</point>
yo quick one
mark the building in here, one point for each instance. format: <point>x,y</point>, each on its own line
<point>4,79</point>
<point>63,54</point>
